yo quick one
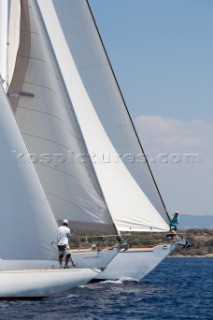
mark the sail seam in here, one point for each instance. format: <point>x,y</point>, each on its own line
<point>62,171</point>
<point>53,116</point>
<point>45,139</point>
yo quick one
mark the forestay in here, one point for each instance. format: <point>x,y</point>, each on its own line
<point>51,132</point>
<point>128,187</point>
<point>28,228</point>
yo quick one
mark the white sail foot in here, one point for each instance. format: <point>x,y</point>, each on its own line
<point>41,283</point>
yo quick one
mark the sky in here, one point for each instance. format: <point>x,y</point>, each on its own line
<point>162,54</point>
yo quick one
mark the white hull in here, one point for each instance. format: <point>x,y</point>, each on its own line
<point>41,283</point>
<point>93,259</point>
<point>81,258</point>
<point>135,263</point>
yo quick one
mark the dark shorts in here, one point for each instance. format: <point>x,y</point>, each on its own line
<point>173,228</point>
<point>62,250</point>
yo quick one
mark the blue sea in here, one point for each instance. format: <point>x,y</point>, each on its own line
<point>179,288</point>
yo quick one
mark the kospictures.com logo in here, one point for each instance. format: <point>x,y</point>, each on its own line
<point>57,159</point>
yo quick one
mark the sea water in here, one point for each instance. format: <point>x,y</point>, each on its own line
<point>179,288</point>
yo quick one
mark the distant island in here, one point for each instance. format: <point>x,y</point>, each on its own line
<point>203,243</point>
<point>197,230</point>
<point>201,238</point>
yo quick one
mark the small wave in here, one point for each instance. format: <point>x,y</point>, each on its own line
<point>119,281</point>
<point>112,281</point>
<point>72,296</point>
<point>128,280</point>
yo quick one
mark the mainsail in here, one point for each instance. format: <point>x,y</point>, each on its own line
<point>69,100</point>
<point>28,227</point>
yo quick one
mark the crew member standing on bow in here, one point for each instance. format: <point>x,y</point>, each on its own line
<point>63,236</point>
<point>175,219</point>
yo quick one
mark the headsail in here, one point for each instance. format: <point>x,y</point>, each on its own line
<point>128,187</point>
<point>50,129</point>
<point>28,228</point>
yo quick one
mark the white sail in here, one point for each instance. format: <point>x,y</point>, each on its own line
<point>49,127</point>
<point>28,228</point>
<point>3,40</point>
<point>128,187</point>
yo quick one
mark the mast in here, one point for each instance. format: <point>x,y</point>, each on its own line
<point>3,41</point>
<point>130,118</point>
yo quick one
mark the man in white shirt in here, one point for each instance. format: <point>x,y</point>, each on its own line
<point>63,237</point>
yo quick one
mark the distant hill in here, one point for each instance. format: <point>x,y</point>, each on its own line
<point>199,222</point>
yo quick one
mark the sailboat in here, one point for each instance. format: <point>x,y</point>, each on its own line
<point>77,128</point>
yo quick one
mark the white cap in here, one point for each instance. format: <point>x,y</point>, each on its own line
<point>177,212</point>
<point>65,221</point>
